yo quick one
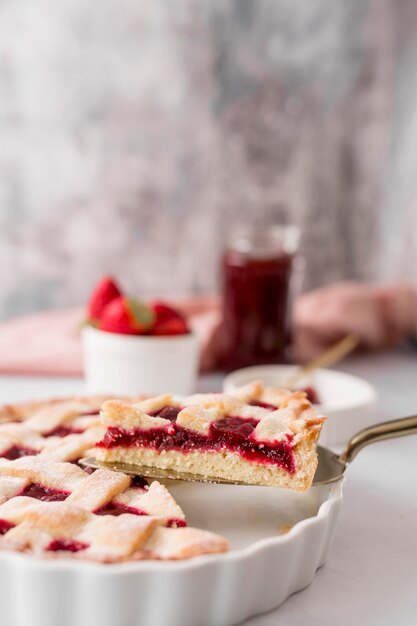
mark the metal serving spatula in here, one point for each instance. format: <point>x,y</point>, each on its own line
<point>330,468</point>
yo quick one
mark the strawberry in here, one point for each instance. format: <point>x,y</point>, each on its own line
<point>106,291</point>
<point>163,312</point>
<point>126,316</point>
<point>174,326</point>
<point>168,321</point>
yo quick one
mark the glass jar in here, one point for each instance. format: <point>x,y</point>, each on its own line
<point>256,275</point>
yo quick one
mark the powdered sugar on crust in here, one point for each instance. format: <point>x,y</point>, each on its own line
<point>258,425</point>
<point>51,507</point>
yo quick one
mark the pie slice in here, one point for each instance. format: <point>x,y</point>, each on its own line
<point>255,435</point>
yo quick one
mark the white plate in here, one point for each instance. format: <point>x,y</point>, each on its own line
<point>261,570</point>
<point>348,401</point>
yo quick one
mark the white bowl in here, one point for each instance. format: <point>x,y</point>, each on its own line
<point>131,364</point>
<point>349,402</point>
<point>261,570</point>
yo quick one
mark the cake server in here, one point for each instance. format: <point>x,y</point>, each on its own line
<point>331,466</point>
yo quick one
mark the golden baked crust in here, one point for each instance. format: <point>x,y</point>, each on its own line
<point>280,415</point>
<point>20,411</point>
<point>51,507</point>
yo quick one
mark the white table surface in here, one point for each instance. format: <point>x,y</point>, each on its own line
<point>370,578</point>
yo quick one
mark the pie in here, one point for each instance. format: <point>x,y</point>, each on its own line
<point>52,507</point>
<point>255,435</point>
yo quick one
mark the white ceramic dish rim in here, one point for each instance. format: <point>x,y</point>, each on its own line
<point>334,496</point>
<point>355,404</point>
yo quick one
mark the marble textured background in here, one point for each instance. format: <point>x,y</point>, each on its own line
<point>133,134</point>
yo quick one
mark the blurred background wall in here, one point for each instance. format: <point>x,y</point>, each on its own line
<point>133,134</point>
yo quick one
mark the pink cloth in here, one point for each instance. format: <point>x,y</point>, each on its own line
<point>46,343</point>
<point>49,343</point>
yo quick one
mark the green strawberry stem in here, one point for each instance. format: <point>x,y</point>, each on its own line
<point>88,322</point>
<point>142,315</point>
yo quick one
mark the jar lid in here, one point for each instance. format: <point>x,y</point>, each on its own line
<point>264,241</point>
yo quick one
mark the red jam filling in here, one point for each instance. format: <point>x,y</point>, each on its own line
<point>63,431</point>
<point>40,492</point>
<point>140,482</point>
<point>5,526</point>
<point>312,395</point>
<point>16,452</point>
<point>86,468</point>
<point>169,413</point>
<point>231,433</point>
<point>118,509</point>
<point>67,545</point>
<point>176,523</point>
<point>263,405</point>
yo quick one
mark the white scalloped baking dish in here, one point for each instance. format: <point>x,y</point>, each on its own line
<point>261,570</point>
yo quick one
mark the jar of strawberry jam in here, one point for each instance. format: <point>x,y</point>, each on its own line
<point>257,269</point>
